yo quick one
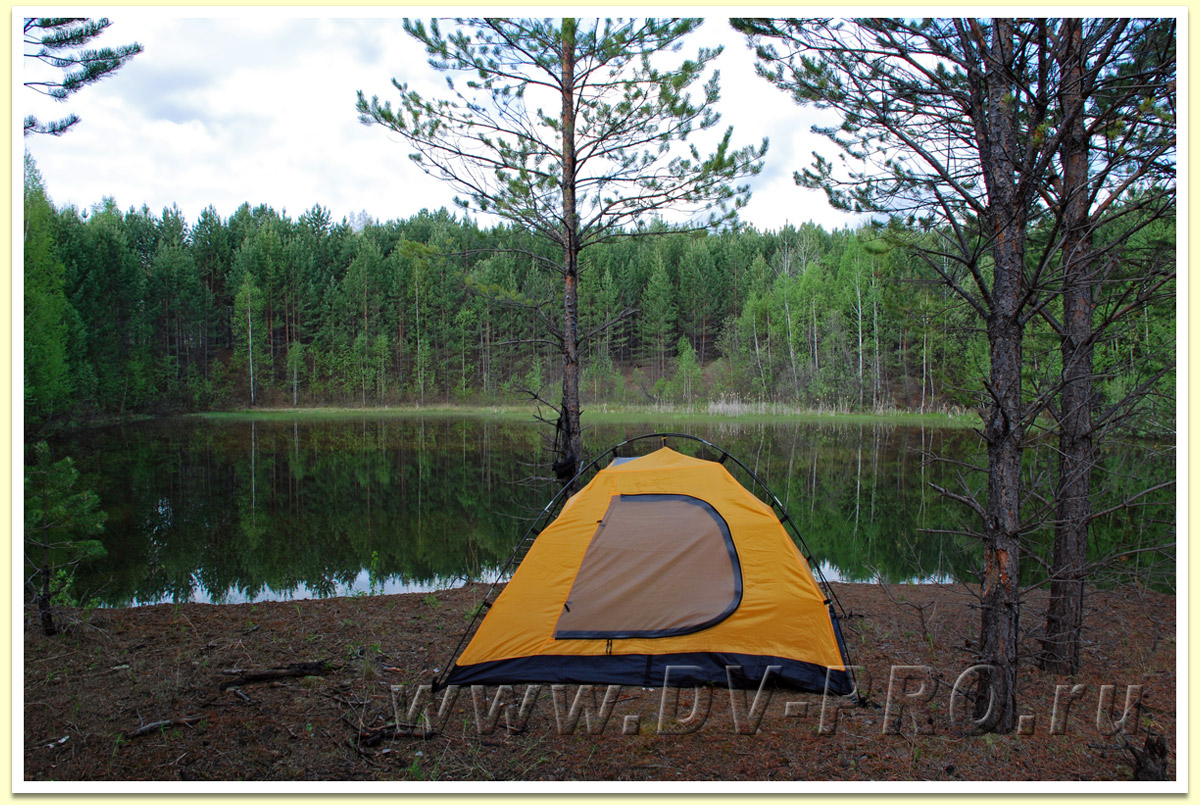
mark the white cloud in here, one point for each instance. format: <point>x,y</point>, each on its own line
<point>258,107</point>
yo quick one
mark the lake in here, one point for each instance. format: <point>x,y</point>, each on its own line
<point>230,511</point>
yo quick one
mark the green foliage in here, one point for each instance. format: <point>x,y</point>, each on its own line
<point>158,315</point>
<point>60,523</point>
<point>48,381</point>
<point>685,385</point>
<point>56,42</point>
<point>250,334</point>
<point>657,317</point>
<point>631,110</point>
<point>609,158</point>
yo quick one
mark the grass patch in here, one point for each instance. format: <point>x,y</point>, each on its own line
<point>750,414</point>
<point>319,414</point>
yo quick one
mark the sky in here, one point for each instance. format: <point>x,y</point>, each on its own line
<point>227,106</point>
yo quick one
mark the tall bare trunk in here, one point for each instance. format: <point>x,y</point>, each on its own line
<point>924,364</point>
<point>420,360</point>
<point>758,357</point>
<point>858,298</point>
<point>569,438</point>
<point>816,357</point>
<point>787,310</point>
<point>250,344</point>
<point>1064,613</point>
<point>876,386</point>
<point>1000,604</point>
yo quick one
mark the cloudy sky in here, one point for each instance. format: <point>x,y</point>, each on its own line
<point>227,106</point>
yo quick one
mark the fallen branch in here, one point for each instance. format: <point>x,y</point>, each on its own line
<point>154,726</point>
<point>319,668</point>
<point>368,737</point>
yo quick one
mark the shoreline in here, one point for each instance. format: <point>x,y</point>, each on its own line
<point>607,414</point>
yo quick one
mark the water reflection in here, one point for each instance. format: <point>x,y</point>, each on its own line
<point>278,510</point>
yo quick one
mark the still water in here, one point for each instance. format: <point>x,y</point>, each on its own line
<point>230,512</point>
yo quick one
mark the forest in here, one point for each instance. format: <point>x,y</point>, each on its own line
<point>133,312</point>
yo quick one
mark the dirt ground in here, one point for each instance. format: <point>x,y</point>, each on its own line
<point>319,690</point>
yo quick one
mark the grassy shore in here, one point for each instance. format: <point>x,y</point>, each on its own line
<point>613,414</point>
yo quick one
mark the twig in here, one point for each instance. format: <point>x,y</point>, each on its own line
<point>398,730</point>
<point>146,729</point>
<point>183,615</point>
<point>176,760</point>
<point>920,608</point>
<point>319,668</point>
<point>55,657</point>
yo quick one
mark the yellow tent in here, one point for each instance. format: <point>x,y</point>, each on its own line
<point>663,570</point>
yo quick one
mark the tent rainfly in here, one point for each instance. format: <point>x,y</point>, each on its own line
<point>662,571</point>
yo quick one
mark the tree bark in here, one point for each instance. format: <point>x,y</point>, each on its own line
<point>569,440</point>
<point>996,704</point>
<point>1064,613</point>
<point>45,610</point>
<point>250,343</point>
<point>1000,590</point>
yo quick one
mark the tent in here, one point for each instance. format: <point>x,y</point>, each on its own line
<point>662,570</point>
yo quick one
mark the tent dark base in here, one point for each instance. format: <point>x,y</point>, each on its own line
<point>657,670</point>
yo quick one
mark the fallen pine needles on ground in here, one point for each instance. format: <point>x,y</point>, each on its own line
<point>232,692</point>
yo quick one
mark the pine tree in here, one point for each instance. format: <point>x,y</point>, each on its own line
<point>59,521</point>
<point>1116,103</point>
<point>700,295</point>
<point>938,131</point>
<point>598,164</point>
<point>48,383</point>
<point>55,41</point>
<point>657,317</point>
<point>971,136</point>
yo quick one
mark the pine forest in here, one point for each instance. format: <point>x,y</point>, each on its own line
<point>130,311</point>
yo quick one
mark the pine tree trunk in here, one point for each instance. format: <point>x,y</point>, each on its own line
<point>250,344</point>
<point>420,359</point>
<point>1000,590</point>
<point>996,704</point>
<point>45,613</point>
<point>1064,613</point>
<point>924,364</point>
<point>46,616</point>
<point>569,438</point>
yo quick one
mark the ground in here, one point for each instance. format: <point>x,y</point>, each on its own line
<point>169,692</point>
